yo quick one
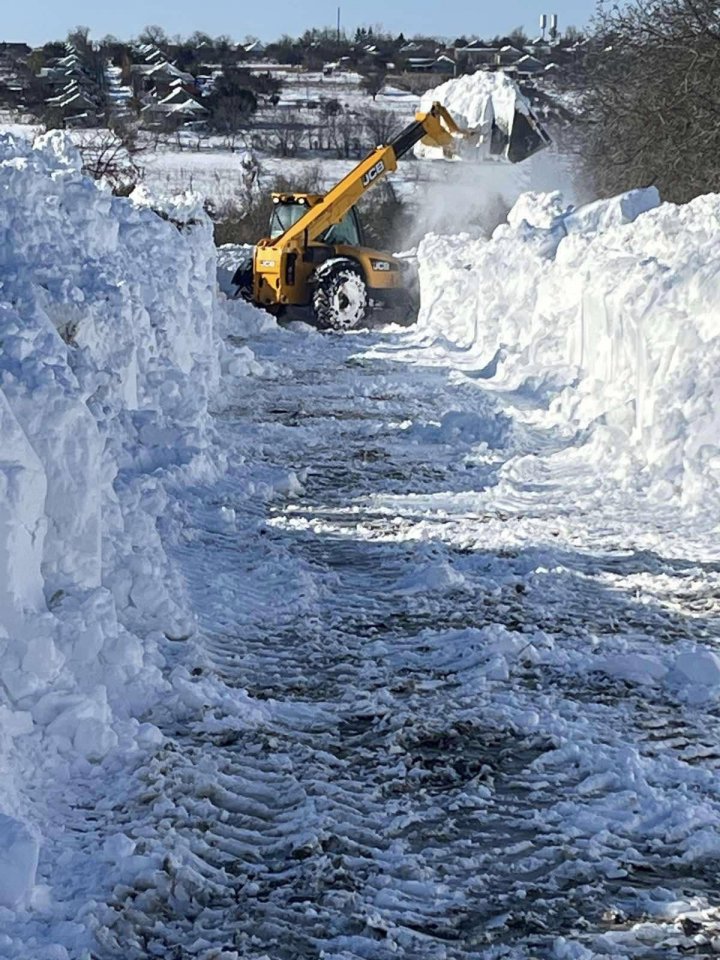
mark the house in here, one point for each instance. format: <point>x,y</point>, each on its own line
<point>70,62</point>
<point>62,71</point>
<point>444,65</point>
<point>529,66</point>
<point>16,51</point>
<point>149,53</point>
<point>539,47</point>
<point>157,78</point>
<point>477,55</point>
<point>417,51</point>
<point>73,97</point>
<point>256,48</point>
<point>178,105</point>
<point>509,55</point>
<point>419,64</point>
<point>166,72</point>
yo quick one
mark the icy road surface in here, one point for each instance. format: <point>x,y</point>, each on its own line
<point>453,696</point>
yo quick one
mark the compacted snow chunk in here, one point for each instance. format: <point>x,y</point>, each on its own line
<point>492,105</point>
<point>18,862</point>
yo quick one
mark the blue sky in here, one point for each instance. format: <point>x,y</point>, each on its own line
<point>38,20</point>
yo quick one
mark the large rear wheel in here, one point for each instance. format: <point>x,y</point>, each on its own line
<point>340,298</point>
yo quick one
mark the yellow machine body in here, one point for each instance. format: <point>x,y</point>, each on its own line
<point>283,266</point>
<point>310,230</point>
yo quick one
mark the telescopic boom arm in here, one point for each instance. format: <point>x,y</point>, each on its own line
<point>436,127</point>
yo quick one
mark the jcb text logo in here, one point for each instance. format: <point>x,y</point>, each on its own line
<point>373,173</point>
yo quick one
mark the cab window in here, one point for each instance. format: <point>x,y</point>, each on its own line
<point>346,232</point>
<point>284,215</point>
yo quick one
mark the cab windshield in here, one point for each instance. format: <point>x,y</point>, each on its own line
<point>284,215</point>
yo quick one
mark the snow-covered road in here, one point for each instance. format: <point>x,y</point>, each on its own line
<point>445,701</point>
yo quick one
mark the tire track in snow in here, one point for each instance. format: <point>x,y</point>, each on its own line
<point>383,793</point>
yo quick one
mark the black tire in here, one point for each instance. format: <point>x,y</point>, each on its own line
<point>340,298</point>
<point>243,277</point>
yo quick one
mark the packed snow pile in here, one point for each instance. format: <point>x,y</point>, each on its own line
<point>476,101</point>
<point>609,312</point>
<point>110,354</point>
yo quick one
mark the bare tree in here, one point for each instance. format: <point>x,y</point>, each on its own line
<point>518,36</point>
<point>381,126</point>
<point>653,98</point>
<point>373,81</point>
<point>79,38</point>
<point>342,134</point>
<point>154,35</point>
<point>112,155</point>
<point>286,139</point>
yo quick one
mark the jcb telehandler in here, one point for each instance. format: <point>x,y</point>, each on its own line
<point>314,263</point>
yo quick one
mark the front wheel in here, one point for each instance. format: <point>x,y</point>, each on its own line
<point>340,298</point>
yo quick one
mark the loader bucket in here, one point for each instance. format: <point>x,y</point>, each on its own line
<point>526,137</point>
<point>493,120</point>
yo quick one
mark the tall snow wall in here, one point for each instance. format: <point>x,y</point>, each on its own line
<point>109,354</point>
<point>611,310</point>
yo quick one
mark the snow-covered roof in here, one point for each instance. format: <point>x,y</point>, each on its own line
<point>177,102</point>
<point>78,100</point>
<point>178,96</point>
<point>168,69</point>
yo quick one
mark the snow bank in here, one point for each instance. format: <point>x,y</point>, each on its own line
<point>609,312</point>
<point>110,354</point>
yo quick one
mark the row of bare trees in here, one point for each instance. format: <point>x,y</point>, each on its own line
<point>339,134</point>
<point>652,102</point>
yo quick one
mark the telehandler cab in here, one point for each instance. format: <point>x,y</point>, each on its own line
<point>314,263</point>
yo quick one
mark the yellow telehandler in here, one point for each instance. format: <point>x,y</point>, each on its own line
<point>314,264</point>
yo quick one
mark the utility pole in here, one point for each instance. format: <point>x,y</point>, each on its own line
<point>338,26</point>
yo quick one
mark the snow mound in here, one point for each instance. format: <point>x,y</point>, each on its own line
<point>608,313</point>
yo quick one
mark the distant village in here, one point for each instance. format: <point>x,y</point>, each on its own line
<point>164,82</point>
<point>320,94</point>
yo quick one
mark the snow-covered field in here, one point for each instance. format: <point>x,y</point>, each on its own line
<point>402,643</point>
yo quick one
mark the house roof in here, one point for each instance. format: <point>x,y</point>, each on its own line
<point>178,102</point>
<point>168,69</point>
<point>15,47</point>
<point>72,97</point>
<point>150,53</point>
